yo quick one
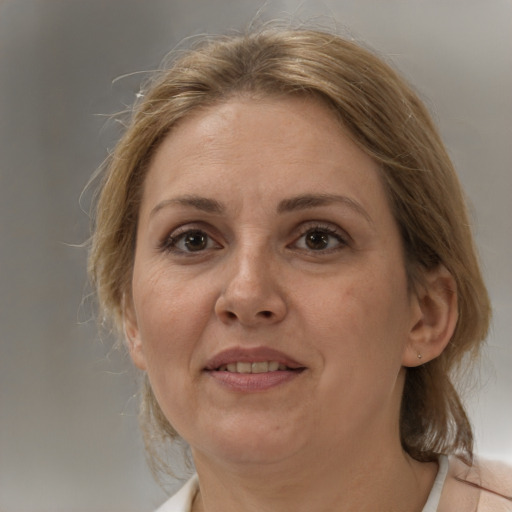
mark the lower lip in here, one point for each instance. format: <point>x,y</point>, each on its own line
<point>253,382</point>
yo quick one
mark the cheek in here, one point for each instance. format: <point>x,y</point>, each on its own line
<point>361,321</point>
<point>172,319</point>
<point>171,316</point>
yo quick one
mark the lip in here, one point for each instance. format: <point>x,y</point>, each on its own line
<point>252,382</point>
<point>248,355</point>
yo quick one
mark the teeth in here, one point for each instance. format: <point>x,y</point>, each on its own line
<point>246,367</point>
<point>259,367</point>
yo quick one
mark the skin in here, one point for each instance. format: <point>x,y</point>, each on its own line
<point>343,311</point>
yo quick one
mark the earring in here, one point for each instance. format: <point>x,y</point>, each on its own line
<point>419,356</point>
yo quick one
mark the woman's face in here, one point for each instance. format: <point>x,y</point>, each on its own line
<point>270,302</point>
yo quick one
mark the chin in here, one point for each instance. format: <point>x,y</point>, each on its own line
<point>249,454</point>
<point>259,444</point>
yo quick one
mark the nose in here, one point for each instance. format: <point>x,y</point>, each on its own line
<point>250,292</point>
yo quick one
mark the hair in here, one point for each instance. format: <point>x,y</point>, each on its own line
<point>387,120</point>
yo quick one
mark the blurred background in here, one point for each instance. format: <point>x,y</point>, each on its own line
<point>69,438</point>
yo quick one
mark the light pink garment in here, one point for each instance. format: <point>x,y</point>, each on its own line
<point>484,487</point>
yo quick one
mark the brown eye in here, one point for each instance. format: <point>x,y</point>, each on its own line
<point>321,239</point>
<point>190,241</point>
<point>195,240</point>
<point>317,240</point>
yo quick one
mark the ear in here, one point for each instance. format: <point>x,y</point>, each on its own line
<point>132,335</point>
<point>434,317</point>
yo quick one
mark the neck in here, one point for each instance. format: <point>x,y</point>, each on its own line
<point>345,480</point>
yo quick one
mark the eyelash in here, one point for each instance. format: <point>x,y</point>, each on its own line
<point>170,243</point>
<point>324,229</point>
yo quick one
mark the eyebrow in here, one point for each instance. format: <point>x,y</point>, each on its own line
<point>293,204</point>
<point>306,201</point>
<point>203,204</point>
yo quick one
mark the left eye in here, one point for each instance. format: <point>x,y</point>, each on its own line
<point>193,240</point>
<point>320,239</point>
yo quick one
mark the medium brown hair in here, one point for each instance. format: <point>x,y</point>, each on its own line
<point>387,120</point>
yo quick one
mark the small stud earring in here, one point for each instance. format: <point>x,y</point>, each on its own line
<point>419,356</point>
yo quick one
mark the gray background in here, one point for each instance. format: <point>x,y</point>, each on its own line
<point>68,427</point>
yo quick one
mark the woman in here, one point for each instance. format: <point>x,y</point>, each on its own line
<point>282,238</point>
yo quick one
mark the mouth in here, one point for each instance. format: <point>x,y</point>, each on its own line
<point>253,369</point>
<point>254,360</point>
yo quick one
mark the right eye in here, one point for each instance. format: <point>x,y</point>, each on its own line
<point>190,241</point>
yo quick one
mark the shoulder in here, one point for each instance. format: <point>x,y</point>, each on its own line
<point>182,500</point>
<point>495,480</point>
<point>484,486</point>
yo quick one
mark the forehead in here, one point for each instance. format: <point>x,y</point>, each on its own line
<point>263,148</point>
<point>298,124</point>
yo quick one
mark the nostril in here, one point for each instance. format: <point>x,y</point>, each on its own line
<point>231,315</point>
<point>266,314</point>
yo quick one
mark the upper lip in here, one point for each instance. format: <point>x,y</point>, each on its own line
<point>251,355</point>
